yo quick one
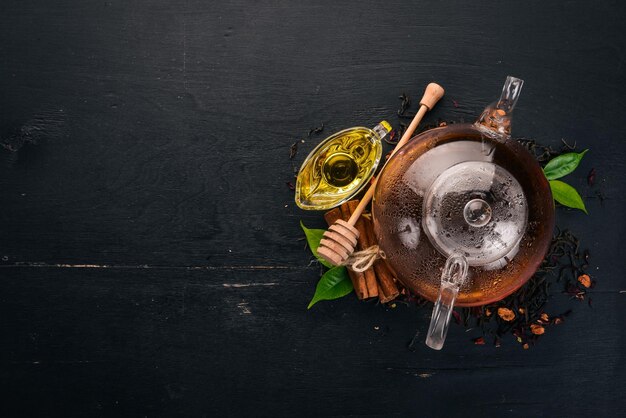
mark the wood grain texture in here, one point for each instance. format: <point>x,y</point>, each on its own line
<point>150,253</point>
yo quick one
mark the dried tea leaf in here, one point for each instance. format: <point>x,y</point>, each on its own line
<point>316,130</point>
<point>293,150</point>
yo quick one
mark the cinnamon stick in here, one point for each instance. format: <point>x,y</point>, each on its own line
<point>358,279</point>
<point>386,282</point>
<point>362,243</point>
<point>388,290</point>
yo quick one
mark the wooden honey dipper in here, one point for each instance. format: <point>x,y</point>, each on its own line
<point>338,242</point>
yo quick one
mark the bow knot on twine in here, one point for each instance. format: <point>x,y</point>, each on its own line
<point>362,260</point>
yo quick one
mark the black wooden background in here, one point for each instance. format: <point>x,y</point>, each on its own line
<point>151,254</point>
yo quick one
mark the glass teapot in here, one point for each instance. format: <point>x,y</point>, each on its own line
<point>463,213</point>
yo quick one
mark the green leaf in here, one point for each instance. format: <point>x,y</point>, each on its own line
<point>563,165</point>
<point>313,238</point>
<point>566,195</point>
<point>334,284</point>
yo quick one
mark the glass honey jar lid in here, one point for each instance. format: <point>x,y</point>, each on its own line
<point>339,167</point>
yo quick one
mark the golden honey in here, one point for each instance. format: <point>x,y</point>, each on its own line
<point>339,167</point>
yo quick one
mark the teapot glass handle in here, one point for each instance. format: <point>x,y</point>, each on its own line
<point>453,276</point>
<point>496,118</point>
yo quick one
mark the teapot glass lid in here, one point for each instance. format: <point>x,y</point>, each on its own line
<point>477,209</point>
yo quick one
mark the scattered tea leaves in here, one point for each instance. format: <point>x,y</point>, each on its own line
<point>522,314</point>
<point>293,150</point>
<point>317,130</point>
<point>563,165</point>
<point>406,103</point>
<point>566,195</point>
<point>543,153</point>
<point>601,197</point>
<point>334,284</point>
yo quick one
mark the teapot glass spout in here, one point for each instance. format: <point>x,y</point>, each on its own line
<point>495,120</point>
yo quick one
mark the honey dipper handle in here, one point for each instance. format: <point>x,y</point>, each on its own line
<point>365,200</point>
<point>432,94</point>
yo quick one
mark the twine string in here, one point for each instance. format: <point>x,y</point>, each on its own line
<point>362,260</point>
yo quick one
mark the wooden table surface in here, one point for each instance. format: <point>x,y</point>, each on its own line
<point>151,253</point>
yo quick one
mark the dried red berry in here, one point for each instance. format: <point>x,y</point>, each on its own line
<point>585,280</point>
<point>537,329</point>
<point>591,177</point>
<point>506,314</point>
